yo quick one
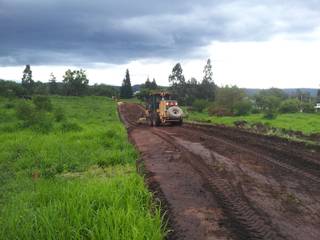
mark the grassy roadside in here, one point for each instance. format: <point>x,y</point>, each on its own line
<point>77,181</point>
<point>304,122</point>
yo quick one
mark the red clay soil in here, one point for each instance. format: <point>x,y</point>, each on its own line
<point>224,183</point>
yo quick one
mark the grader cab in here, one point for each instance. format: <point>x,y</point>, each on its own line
<point>161,109</point>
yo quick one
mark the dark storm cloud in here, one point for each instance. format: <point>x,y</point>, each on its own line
<point>84,32</point>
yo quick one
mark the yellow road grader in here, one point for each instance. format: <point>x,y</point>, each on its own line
<point>161,109</point>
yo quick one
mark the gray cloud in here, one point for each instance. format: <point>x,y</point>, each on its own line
<point>84,32</point>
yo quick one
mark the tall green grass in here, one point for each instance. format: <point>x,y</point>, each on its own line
<point>77,181</point>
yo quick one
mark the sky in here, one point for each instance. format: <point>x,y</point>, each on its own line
<point>251,43</point>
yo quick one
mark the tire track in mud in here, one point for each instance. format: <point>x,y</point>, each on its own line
<point>299,163</point>
<point>302,169</point>
<point>245,222</point>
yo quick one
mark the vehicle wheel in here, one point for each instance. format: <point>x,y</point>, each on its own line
<point>156,120</point>
<point>150,121</point>
<point>180,122</point>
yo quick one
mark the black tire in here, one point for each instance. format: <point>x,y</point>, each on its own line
<point>180,122</point>
<point>150,120</point>
<point>156,120</point>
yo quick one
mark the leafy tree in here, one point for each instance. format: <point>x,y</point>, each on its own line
<point>103,90</point>
<point>53,85</point>
<point>146,88</point>
<point>177,77</point>
<point>243,107</point>
<point>126,89</point>
<point>318,96</point>
<point>289,106</point>
<point>153,84</point>
<point>207,84</point>
<point>227,97</point>
<point>75,82</point>
<point>178,84</point>
<point>27,81</point>
<point>270,99</point>
<point>199,105</point>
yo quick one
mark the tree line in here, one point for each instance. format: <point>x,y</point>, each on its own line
<point>232,100</point>
<point>74,83</point>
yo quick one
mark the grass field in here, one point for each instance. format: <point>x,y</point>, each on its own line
<point>75,181</point>
<point>305,122</point>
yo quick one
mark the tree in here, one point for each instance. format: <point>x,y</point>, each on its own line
<point>27,81</point>
<point>318,96</point>
<point>75,82</point>
<point>126,89</point>
<point>153,84</point>
<point>53,85</point>
<point>228,97</point>
<point>177,77</point>
<point>207,85</point>
<point>178,84</point>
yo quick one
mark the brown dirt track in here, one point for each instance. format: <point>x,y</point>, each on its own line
<point>225,183</point>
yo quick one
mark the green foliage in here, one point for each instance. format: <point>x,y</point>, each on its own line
<point>75,82</point>
<point>289,106</point>
<point>199,105</point>
<point>52,188</point>
<point>242,107</point>
<point>27,82</point>
<point>103,90</point>
<point>219,111</point>
<point>228,97</point>
<point>307,107</point>
<point>269,100</point>
<point>126,89</point>
<point>42,103</point>
<point>59,114</point>
<point>207,86</point>
<point>53,85</point>
<point>187,91</point>
<point>146,89</point>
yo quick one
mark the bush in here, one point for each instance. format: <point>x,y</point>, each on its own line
<point>42,103</point>
<point>307,107</point>
<point>243,107</point>
<point>59,114</point>
<point>270,115</point>
<point>70,126</point>
<point>219,111</point>
<point>25,111</point>
<point>199,105</point>
<point>38,120</point>
<point>289,106</point>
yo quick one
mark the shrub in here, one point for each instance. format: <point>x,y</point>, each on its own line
<point>199,105</point>
<point>270,115</point>
<point>42,103</point>
<point>25,111</point>
<point>307,107</point>
<point>243,107</point>
<point>219,111</point>
<point>59,114</point>
<point>9,105</point>
<point>289,106</point>
<point>70,126</point>
<point>38,120</point>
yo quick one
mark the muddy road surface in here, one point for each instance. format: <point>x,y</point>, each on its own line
<point>225,183</point>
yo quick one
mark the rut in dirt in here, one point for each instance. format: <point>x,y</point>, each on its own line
<point>222,183</point>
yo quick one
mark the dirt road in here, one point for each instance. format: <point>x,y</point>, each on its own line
<point>224,183</point>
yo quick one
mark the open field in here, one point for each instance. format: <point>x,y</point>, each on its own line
<point>75,180</point>
<point>304,122</point>
<point>225,183</point>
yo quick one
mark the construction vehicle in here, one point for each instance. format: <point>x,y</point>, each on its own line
<point>161,109</point>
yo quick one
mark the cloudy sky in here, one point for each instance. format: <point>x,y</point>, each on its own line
<point>252,43</point>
